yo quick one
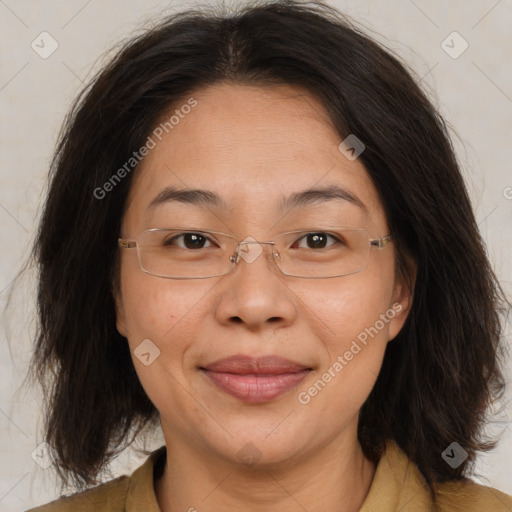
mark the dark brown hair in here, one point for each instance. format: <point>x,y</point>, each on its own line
<point>440,373</point>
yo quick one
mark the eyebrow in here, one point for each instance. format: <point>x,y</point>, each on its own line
<point>313,196</point>
<point>300,199</point>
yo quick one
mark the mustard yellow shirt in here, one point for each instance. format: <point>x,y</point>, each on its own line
<point>397,486</point>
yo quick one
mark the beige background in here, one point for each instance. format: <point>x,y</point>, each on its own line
<point>474,92</point>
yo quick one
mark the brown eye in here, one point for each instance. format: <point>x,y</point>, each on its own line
<point>315,240</point>
<point>189,241</point>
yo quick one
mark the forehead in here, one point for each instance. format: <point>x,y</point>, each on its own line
<point>253,147</point>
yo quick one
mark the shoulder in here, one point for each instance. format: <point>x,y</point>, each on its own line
<point>124,493</point>
<point>469,496</point>
<point>107,497</point>
<point>398,483</point>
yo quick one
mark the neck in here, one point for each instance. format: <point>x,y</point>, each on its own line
<point>335,478</point>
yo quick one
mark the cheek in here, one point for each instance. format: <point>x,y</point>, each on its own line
<point>161,316</point>
<point>353,319</point>
<point>349,307</point>
<point>158,309</point>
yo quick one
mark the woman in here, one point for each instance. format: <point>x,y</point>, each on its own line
<point>257,236</point>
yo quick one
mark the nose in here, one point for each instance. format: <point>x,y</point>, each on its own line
<point>255,293</point>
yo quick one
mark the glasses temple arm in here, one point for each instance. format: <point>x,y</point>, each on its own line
<point>381,242</point>
<point>126,244</point>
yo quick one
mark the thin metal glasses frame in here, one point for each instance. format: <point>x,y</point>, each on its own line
<point>124,243</point>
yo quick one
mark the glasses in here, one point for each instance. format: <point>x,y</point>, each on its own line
<point>181,253</point>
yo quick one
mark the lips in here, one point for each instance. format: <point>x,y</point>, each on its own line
<point>244,365</point>
<point>255,380</point>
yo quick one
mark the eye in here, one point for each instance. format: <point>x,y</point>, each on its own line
<point>315,240</point>
<point>189,241</point>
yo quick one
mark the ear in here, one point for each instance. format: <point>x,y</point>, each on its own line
<point>119,309</point>
<point>401,304</point>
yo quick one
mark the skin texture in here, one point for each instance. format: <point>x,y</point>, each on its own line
<point>252,146</point>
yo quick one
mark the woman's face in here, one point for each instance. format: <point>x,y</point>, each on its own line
<point>254,147</point>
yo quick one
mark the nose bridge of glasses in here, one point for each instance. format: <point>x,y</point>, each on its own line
<point>250,249</point>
